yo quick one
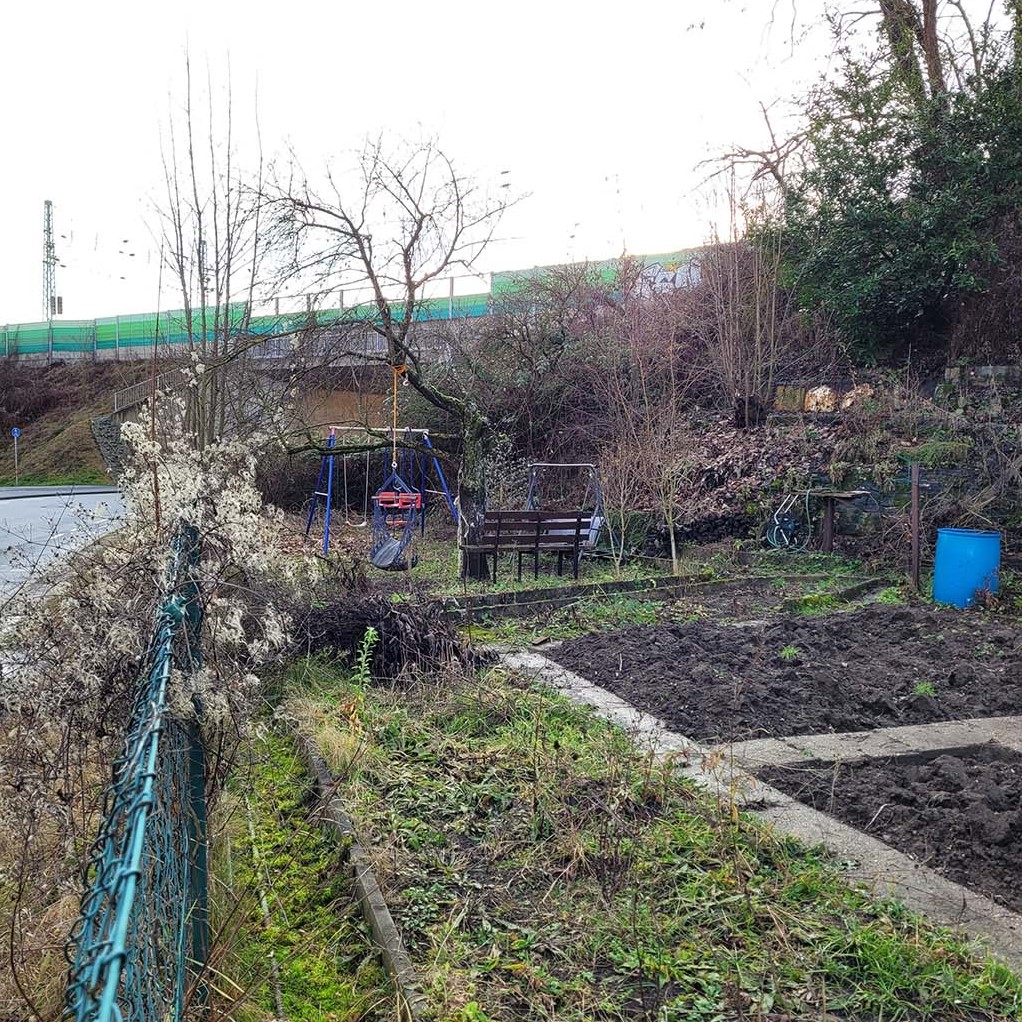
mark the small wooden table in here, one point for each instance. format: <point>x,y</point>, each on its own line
<point>829,497</point>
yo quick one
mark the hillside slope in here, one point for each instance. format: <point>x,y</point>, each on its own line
<point>53,406</point>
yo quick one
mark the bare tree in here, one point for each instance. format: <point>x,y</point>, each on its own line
<point>749,326</point>
<point>213,239</point>
<point>390,227</point>
<point>645,386</point>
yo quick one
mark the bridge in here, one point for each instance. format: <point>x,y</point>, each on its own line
<point>163,334</point>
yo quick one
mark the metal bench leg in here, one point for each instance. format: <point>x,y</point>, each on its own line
<point>519,565</point>
<point>560,563</point>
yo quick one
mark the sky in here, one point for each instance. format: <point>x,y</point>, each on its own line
<point>598,113</point>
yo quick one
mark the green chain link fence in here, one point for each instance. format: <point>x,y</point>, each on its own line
<point>139,947</point>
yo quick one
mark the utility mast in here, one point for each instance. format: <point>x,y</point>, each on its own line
<point>53,305</point>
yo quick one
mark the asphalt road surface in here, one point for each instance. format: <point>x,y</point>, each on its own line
<point>38,523</point>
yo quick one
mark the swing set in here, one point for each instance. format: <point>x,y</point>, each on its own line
<point>399,505</point>
<point>557,484</point>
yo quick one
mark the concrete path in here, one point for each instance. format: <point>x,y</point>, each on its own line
<point>885,741</point>
<point>38,524</point>
<point>720,770</point>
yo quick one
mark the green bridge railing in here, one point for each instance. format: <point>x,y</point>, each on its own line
<point>140,336</point>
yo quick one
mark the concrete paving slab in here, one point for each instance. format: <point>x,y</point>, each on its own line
<point>721,772</point>
<point>888,741</point>
<point>890,872</point>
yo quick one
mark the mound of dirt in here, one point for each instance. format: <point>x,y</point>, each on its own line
<point>876,667</point>
<point>958,814</point>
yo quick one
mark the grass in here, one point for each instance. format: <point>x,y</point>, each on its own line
<point>265,844</point>
<point>438,560</point>
<point>81,477</point>
<point>541,868</point>
<point>814,603</point>
<point>608,611</point>
<point>54,406</point>
<point>592,614</point>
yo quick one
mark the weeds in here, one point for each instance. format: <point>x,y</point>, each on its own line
<point>589,615</point>
<point>364,656</point>
<point>542,867</point>
<point>816,603</point>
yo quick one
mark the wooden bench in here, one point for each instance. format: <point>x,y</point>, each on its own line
<point>535,533</point>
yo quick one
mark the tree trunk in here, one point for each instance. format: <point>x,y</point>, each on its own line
<point>472,493</point>
<point>674,544</point>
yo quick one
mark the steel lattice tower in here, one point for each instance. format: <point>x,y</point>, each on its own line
<point>49,263</point>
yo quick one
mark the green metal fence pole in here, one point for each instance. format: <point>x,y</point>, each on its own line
<point>199,873</point>
<point>197,822</point>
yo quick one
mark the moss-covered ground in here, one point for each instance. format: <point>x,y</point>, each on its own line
<point>288,935</point>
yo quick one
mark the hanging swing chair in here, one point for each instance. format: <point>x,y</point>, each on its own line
<point>397,510</point>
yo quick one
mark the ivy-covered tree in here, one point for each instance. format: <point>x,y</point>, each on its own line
<point>910,171</point>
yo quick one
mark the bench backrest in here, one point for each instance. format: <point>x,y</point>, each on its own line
<point>529,530</point>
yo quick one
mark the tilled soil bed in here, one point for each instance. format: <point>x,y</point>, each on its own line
<point>957,813</point>
<point>877,667</point>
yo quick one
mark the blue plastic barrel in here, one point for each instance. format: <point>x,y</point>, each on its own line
<point>968,561</point>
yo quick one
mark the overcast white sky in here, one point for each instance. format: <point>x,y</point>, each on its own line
<point>600,110</point>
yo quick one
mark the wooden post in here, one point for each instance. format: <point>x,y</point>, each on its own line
<point>828,525</point>
<point>916,526</point>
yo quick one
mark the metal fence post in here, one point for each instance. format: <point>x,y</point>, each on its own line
<point>916,526</point>
<point>199,873</point>
<point>197,836</point>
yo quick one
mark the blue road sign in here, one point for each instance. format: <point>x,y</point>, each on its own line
<point>16,432</point>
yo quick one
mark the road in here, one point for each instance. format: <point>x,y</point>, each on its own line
<point>37,523</point>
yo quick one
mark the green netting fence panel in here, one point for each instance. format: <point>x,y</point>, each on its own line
<point>148,333</point>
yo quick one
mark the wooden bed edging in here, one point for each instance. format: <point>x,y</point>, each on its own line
<point>411,1002</point>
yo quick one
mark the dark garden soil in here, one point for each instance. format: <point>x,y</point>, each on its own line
<point>958,813</point>
<point>877,667</point>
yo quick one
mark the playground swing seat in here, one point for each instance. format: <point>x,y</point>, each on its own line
<point>397,514</point>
